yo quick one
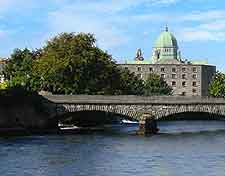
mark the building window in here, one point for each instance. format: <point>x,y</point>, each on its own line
<point>150,69</point>
<point>194,84</point>
<point>183,69</point>
<point>163,75</point>
<point>173,76</point>
<point>163,69</point>
<point>173,69</point>
<point>194,76</point>
<point>126,68</point>
<point>184,84</point>
<point>184,76</point>
<point>174,83</point>
<point>194,90</point>
<point>139,69</point>
<point>183,93</point>
<point>194,69</point>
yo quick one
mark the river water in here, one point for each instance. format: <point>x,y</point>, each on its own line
<point>181,148</point>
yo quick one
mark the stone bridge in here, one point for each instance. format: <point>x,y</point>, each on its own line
<point>136,107</point>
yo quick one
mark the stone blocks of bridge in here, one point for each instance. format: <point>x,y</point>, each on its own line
<point>147,125</point>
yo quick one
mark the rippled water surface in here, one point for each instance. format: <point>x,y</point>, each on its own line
<point>182,148</point>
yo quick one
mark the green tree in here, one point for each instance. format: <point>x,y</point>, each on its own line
<point>217,86</point>
<point>72,64</point>
<point>130,83</point>
<point>155,85</point>
<point>18,70</point>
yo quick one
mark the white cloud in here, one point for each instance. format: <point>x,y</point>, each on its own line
<point>217,25</point>
<point>6,5</point>
<point>17,5</point>
<point>193,35</point>
<point>210,27</point>
<point>105,20</point>
<point>113,6</point>
<point>69,20</point>
<point>3,34</point>
<point>150,17</point>
<point>203,16</point>
<point>194,26</point>
<point>196,34</point>
<point>102,18</point>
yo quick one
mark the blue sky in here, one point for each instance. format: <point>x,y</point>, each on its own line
<point>120,26</point>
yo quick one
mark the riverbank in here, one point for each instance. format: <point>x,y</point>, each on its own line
<point>24,112</point>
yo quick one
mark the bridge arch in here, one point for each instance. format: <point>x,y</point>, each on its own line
<point>169,110</point>
<point>192,116</point>
<point>129,113</point>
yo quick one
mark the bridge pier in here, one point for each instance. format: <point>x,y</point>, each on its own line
<point>147,125</point>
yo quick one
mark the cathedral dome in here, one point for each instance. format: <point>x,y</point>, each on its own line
<point>166,40</point>
<point>165,49</point>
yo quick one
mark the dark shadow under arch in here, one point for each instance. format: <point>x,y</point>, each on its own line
<point>91,118</point>
<point>193,116</point>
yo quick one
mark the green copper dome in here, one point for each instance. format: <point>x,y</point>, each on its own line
<point>166,40</point>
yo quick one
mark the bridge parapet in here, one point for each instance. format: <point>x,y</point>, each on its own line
<point>130,99</point>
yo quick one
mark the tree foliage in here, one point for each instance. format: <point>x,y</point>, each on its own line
<point>18,69</point>
<point>4,85</point>
<point>130,83</point>
<point>73,64</point>
<point>217,86</point>
<point>155,85</point>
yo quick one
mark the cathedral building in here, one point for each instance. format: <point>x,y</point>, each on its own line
<point>187,78</point>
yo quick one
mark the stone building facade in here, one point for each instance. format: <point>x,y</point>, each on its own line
<point>187,78</point>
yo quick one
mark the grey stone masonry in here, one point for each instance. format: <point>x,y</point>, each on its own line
<point>135,106</point>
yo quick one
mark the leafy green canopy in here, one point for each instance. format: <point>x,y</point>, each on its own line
<point>155,85</point>
<point>18,69</point>
<point>73,64</point>
<point>217,86</point>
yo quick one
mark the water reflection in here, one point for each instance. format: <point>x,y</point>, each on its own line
<point>180,149</point>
